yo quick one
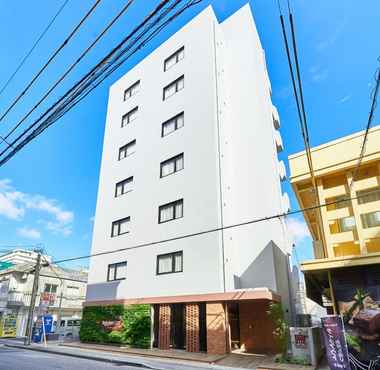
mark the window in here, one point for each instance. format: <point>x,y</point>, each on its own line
<point>129,117</point>
<point>174,58</point>
<point>120,227</point>
<point>171,165</point>
<point>127,149</point>
<point>347,223</point>
<point>62,324</point>
<point>124,186</point>
<point>50,288</point>
<point>174,87</point>
<point>172,124</point>
<point>117,271</point>
<point>132,90</point>
<point>170,211</point>
<point>169,263</point>
<point>371,219</point>
<point>368,196</point>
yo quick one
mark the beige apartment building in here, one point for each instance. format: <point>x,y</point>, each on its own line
<point>346,230</point>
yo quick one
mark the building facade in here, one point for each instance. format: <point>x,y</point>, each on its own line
<point>346,229</point>
<point>190,146</point>
<point>61,291</point>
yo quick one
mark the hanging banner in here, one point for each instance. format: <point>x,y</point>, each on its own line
<point>335,343</point>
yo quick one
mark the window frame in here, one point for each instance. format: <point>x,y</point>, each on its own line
<point>367,224</point>
<point>175,54</point>
<point>173,159</point>
<point>127,219</point>
<point>122,183</point>
<point>173,204</point>
<point>115,266</point>
<point>174,118</point>
<point>51,286</point>
<point>133,142</point>
<point>175,82</point>
<point>129,89</point>
<point>172,255</point>
<point>127,116</point>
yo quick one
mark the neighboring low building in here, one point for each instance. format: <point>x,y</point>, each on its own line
<point>62,291</point>
<point>345,230</point>
<point>191,144</point>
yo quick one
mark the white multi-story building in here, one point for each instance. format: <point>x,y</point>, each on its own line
<point>190,147</point>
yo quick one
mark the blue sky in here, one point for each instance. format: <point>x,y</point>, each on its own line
<point>48,190</point>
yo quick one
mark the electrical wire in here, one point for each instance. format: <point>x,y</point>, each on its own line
<point>72,66</point>
<point>94,77</point>
<point>52,57</point>
<point>213,230</point>
<point>10,79</point>
<point>299,97</point>
<point>374,95</point>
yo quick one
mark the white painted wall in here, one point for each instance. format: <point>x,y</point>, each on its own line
<point>231,172</point>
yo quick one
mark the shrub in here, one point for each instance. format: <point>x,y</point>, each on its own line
<point>135,330</point>
<point>281,327</point>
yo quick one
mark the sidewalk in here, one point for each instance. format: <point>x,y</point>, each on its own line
<point>158,359</point>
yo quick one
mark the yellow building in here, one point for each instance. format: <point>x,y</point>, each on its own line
<point>346,234</point>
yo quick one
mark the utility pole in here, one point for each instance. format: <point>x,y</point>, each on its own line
<point>33,297</point>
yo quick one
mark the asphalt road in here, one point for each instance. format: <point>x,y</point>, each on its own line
<point>20,359</point>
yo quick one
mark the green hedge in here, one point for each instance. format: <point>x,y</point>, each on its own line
<point>136,325</point>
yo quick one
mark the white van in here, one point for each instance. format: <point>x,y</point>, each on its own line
<point>68,328</point>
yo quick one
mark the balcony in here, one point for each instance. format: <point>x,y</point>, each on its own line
<point>282,170</point>
<point>371,233</point>
<point>278,140</point>
<point>334,191</point>
<point>338,213</point>
<point>366,183</point>
<point>18,299</point>
<point>369,207</point>
<point>346,249</point>
<point>344,237</point>
<point>276,117</point>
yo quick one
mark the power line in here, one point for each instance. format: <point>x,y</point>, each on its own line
<point>33,47</point>
<point>374,95</point>
<point>56,52</point>
<point>298,95</point>
<point>72,66</point>
<point>213,230</point>
<point>99,72</point>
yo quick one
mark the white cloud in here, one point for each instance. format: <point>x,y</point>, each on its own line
<point>333,36</point>
<point>8,207</point>
<point>29,233</point>
<point>344,99</point>
<point>298,229</point>
<point>318,73</point>
<point>14,204</point>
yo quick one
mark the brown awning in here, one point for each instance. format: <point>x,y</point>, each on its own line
<point>237,295</point>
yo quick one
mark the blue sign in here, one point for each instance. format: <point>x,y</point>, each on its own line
<point>38,330</point>
<point>48,322</point>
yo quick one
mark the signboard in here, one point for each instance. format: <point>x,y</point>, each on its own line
<point>357,292</point>
<point>8,325</point>
<point>47,299</point>
<point>300,341</point>
<point>43,326</point>
<point>335,343</point>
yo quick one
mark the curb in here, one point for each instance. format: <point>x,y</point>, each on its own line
<point>82,356</point>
